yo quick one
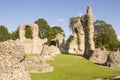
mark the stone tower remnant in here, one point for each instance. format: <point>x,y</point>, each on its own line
<point>77,45</point>
<point>89,30</point>
<point>31,45</point>
<point>83,35</point>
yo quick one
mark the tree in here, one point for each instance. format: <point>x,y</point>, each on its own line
<point>73,20</point>
<point>105,36</point>
<point>15,34</point>
<point>28,32</point>
<point>43,28</point>
<point>45,31</point>
<point>69,40</point>
<point>4,34</point>
<point>53,31</point>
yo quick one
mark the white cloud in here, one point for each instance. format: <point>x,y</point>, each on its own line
<point>81,14</point>
<point>52,25</point>
<point>61,20</point>
<point>119,38</point>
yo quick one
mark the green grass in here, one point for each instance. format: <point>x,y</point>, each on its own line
<point>29,55</point>
<point>69,67</point>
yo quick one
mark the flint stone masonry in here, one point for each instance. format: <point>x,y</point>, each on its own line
<point>12,57</point>
<point>77,45</point>
<point>31,45</point>
<point>48,52</point>
<point>61,43</point>
<point>88,24</point>
<point>34,28</point>
<point>98,56</point>
<point>83,35</point>
<point>113,60</point>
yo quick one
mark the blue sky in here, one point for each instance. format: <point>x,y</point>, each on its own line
<point>57,12</point>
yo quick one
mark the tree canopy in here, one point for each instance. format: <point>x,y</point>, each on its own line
<point>105,35</point>
<point>15,34</point>
<point>45,31</point>
<point>4,34</point>
<point>43,27</point>
<point>72,21</point>
<point>28,32</point>
<point>53,31</point>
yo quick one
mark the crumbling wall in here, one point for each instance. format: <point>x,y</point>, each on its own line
<point>83,35</point>
<point>12,58</point>
<point>77,44</point>
<point>88,24</point>
<point>31,45</point>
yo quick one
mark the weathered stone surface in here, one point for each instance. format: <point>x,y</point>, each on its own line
<point>88,24</point>
<point>83,35</point>
<point>61,43</point>
<point>113,60</point>
<point>98,56</point>
<point>34,28</point>
<point>48,52</point>
<point>77,44</point>
<point>31,45</point>
<point>12,58</point>
<point>73,46</point>
<point>37,64</point>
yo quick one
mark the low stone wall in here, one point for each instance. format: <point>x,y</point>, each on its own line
<point>12,58</point>
<point>113,60</point>
<point>98,56</point>
<point>37,64</point>
<point>48,52</point>
<point>33,45</point>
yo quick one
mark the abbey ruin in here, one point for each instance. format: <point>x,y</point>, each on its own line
<point>15,65</point>
<point>81,44</point>
<point>83,34</point>
<point>31,45</point>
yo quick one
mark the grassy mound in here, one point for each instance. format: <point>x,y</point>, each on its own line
<point>69,67</point>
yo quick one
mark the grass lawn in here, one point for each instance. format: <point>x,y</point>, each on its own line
<point>29,55</point>
<point>70,67</point>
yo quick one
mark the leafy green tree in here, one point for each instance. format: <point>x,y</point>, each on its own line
<point>72,21</point>
<point>43,28</point>
<point>15,34</point>
<point>4,34</point>
<point>69,40</point>
<point>28,32</point>
<point>105,36</point>
<point>53,31</point>
<point>45,31</point>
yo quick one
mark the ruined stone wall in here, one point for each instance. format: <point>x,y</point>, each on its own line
<point>12,57</point>
<point>61,43</point>
<point>34,28</point>
<point>77,44</point>
<point>31,45</point>
<point>83,35</point>
<point>88,23</point>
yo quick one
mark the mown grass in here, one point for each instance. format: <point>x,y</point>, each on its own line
<point>29,55</point>
<point>69,67</point>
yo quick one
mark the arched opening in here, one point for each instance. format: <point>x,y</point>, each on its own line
<point>28,32</point>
